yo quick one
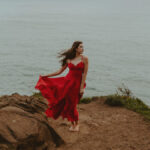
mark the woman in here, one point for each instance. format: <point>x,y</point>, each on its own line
<point>64,93</point>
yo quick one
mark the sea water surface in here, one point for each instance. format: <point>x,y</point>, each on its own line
<point>115,35</point>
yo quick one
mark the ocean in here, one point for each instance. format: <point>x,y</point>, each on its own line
<point>115,35</point>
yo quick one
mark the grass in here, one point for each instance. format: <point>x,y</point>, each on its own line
<point>38,94</point>
<point>124,98</point>
<point>85,100</point>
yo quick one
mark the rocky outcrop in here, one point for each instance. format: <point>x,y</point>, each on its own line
<point>24,126</point>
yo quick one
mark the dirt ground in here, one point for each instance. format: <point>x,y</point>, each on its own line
<point>104,128</point>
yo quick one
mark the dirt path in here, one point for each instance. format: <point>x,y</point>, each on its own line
<point>104,128</point>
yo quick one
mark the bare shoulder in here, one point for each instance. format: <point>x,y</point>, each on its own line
<point>85,58</point>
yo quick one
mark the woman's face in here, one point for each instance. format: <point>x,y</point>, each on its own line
<point>80,48</point>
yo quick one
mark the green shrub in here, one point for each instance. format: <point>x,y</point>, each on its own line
<point>85,100</point>
<point>127,100</point>
<point>38,95</point>
<point>114,100</point>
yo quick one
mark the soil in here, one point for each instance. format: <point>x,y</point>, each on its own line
<point>103,127</point>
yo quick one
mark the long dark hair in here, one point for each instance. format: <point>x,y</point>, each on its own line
<point>69,53</point>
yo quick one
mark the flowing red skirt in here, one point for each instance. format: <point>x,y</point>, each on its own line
<point>62,95</point>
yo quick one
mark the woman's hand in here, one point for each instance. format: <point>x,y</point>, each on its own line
<point>81,90</point>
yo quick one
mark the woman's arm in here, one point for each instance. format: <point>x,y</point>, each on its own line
<point>86,64</point>
<point>57,72</point>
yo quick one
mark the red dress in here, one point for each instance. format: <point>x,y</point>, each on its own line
<point>62,93</point>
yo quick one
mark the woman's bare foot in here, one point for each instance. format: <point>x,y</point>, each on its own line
<point>76,128</point>
<point>71,128</point>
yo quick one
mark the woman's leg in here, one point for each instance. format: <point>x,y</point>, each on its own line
<point>76,122</point>
<point>73,123</point>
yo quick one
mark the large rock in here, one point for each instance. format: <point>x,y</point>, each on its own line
<point>23,125</point>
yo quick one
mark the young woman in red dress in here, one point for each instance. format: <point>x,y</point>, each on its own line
<point>64,93</point>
